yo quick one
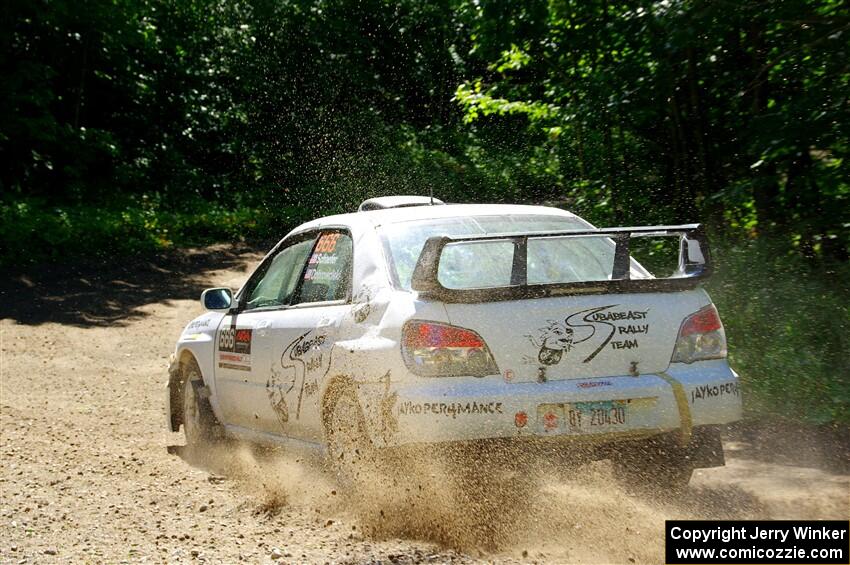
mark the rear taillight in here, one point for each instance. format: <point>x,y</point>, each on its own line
<point>431,349</point>
<point>700,337</point>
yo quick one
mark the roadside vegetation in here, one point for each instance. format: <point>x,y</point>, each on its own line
<point>787,322</point>
<point>36,231</point>
<point>133,126</point>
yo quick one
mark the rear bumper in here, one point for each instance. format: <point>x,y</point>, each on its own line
<point>459,409</point>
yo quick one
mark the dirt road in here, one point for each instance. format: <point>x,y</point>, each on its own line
<point>85,475</point>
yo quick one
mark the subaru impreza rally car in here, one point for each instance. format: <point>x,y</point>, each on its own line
<point>415,322</point>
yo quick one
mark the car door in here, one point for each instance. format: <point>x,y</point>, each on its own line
<point>243,341</point>
<point>301,338</point>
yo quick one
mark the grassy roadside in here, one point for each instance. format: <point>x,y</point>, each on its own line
<point>787,320</point>
<point>34,232</point>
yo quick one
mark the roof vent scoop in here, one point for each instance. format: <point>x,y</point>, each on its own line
<point>385,202</point>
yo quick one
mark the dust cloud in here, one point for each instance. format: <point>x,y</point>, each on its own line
<point>527,511</point>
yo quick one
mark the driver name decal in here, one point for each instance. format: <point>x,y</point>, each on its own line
<point>322,265</point>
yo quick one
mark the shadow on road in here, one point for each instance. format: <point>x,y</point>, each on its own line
<point>100,293</point>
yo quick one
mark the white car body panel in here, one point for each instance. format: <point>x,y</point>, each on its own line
<point>275,392</point>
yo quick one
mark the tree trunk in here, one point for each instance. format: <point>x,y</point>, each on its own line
<point>707,181</point>
<point>81,90</point>
<point>766,195</point>
<point>608,160</point>
<point>684,201</point>
<point>582,167</point>
<point>608,142</point>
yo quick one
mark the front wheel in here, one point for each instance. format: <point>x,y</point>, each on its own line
<point>199,423</point>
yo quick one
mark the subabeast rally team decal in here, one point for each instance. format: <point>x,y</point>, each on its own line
<point>303,363</point>
<point>600,327</point>
<point>234,349</point>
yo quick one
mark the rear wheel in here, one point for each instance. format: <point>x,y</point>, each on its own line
<point>671,477</point>
<point>350,451</point>
<point>199,423</point>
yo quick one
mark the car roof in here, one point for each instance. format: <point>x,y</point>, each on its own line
<point>383,202</point>
<point>375,218</point>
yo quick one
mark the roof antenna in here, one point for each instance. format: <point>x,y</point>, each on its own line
<point>432,194</point>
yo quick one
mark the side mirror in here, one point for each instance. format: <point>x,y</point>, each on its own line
<point>217,299</point>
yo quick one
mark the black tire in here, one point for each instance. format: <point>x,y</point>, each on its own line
<point>200,425</point>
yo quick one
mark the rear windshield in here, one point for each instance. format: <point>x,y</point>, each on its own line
<point>550,260</point>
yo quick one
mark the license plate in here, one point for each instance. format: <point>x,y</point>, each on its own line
<point>580,416</point>
<point>596,415</point>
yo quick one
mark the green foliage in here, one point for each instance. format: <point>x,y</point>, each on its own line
<point>32,231</point>
<point>681,110</point>
<point>788,326</point>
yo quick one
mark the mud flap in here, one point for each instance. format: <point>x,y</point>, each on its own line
<point>702,445</point>
<point>685,421</point>
<point>704,449</point>
<point>211,425</point>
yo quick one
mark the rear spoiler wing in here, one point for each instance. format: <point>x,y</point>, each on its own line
<point>694,265</point>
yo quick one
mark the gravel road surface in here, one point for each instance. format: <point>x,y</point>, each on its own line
<point>86,473</point>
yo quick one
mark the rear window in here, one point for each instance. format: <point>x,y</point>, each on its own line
<point>488,264</point>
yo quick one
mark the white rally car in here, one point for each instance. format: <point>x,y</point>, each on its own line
<point>413,322</point>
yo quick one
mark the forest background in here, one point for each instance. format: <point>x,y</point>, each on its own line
<point>132,126</point>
